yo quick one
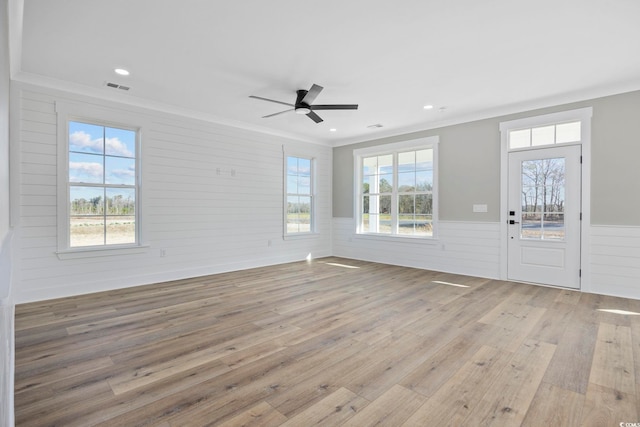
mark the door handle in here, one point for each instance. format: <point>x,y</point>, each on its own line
<point>511,222</point>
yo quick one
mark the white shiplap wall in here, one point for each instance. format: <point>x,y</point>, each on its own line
<point>211,199</point>
<point>470,248</point>
<point>615,261</point>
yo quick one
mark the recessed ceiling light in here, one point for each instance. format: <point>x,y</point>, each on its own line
<point>121,71</point>
<point>333,130</point>
<point>428,107</point>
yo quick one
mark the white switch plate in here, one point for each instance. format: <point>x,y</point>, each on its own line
<point>480,208</point>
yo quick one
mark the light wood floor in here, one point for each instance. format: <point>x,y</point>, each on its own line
<point>332,342</point>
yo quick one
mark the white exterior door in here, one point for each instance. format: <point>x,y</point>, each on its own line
<point>544,205</point>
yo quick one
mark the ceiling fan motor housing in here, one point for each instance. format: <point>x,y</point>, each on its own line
<point>301,107</point>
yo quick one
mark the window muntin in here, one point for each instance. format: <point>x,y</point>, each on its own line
<point>102,185</point>
<point>299,209</point>
<point>396,192</point>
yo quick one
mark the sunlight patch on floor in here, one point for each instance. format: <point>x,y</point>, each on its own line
<point>335,264</point>
<point>615,311</point>
<point>449,284</point>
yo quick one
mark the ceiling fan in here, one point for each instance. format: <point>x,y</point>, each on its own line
<point>304,104</point>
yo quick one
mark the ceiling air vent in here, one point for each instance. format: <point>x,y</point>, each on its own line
<point>117,86</point>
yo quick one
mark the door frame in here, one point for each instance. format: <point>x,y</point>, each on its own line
<point>584,116</point>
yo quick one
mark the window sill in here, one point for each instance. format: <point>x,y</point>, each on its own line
<point>79,253</point>
<point>299,236</point>
<point>396,238</point>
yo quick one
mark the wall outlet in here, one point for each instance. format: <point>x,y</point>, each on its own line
<point>480,208</point>
<point>163,253</point>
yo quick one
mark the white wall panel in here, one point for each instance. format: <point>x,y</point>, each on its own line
<point>211,201</point>
<point>461,248</point>
<point>615,260</point>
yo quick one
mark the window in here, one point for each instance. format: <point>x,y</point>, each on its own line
<point>560,133</point>
<point>299,203</point>
<point>102,185</point>
<point>397,189</point>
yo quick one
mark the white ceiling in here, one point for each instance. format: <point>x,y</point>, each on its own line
<point>468,58</point>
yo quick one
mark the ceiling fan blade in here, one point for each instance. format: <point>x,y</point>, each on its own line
<point>335,107</point>
<point>276,114</point>
<point>313,116</point>
<point>312,94</point>
<point>270,100</point>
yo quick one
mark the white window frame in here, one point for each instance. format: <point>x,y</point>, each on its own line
<point>431,142</point>
<point>312,213</point>
<point>69,112</point>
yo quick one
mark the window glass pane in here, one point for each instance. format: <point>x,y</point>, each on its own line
<point>407,161</point>
<point>120,142</point>
<point>543,135</point>
<point>304,166</point>
<point>568,132</point>
<point>370,165</point>
<point>384,217</point>
<point>86,231</point>
<point>406,205</point>
<point>120,170</point>
<point>292,184</point>
<point>120,230</point>
<point>385,164</point>
<point>85,168</point>
<point>406,181</point>
<point>424,204</point>
<point>531,226</point>
<point>424,225</point>
<point>520,138</point>
<point>86,220</point>
<point>86,138</point>
<point>121,201</point>
<point>292,165</point>
<point>424,180</point>
<point>553,226</point>
<point>366,183</point>
<point>86,200</point>
<point>304,184</point>
<point>386,183</point>
<point>424,159</point>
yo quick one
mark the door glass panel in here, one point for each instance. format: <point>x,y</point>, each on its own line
<point>543,199</point>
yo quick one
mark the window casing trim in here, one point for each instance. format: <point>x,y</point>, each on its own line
<point>69,111</point>
<point>431,142</point>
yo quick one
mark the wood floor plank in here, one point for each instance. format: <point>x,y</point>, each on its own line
<point>261,415</point>
<point>454,400</point>
<point>507,400</point>
<point>555,407</point>
<point>391,409</point>
<point>612,364</point>
<point>605,406</point>
<point>303,342</point>
<point>333,410</point>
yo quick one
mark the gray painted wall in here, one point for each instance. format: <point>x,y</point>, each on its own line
<point>469,164</point>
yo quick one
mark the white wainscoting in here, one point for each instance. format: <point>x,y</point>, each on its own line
<point>212,201</point>
<point>615,261</point>
<point>470,248</point>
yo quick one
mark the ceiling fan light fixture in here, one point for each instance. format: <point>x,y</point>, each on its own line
<point>303,110</point>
